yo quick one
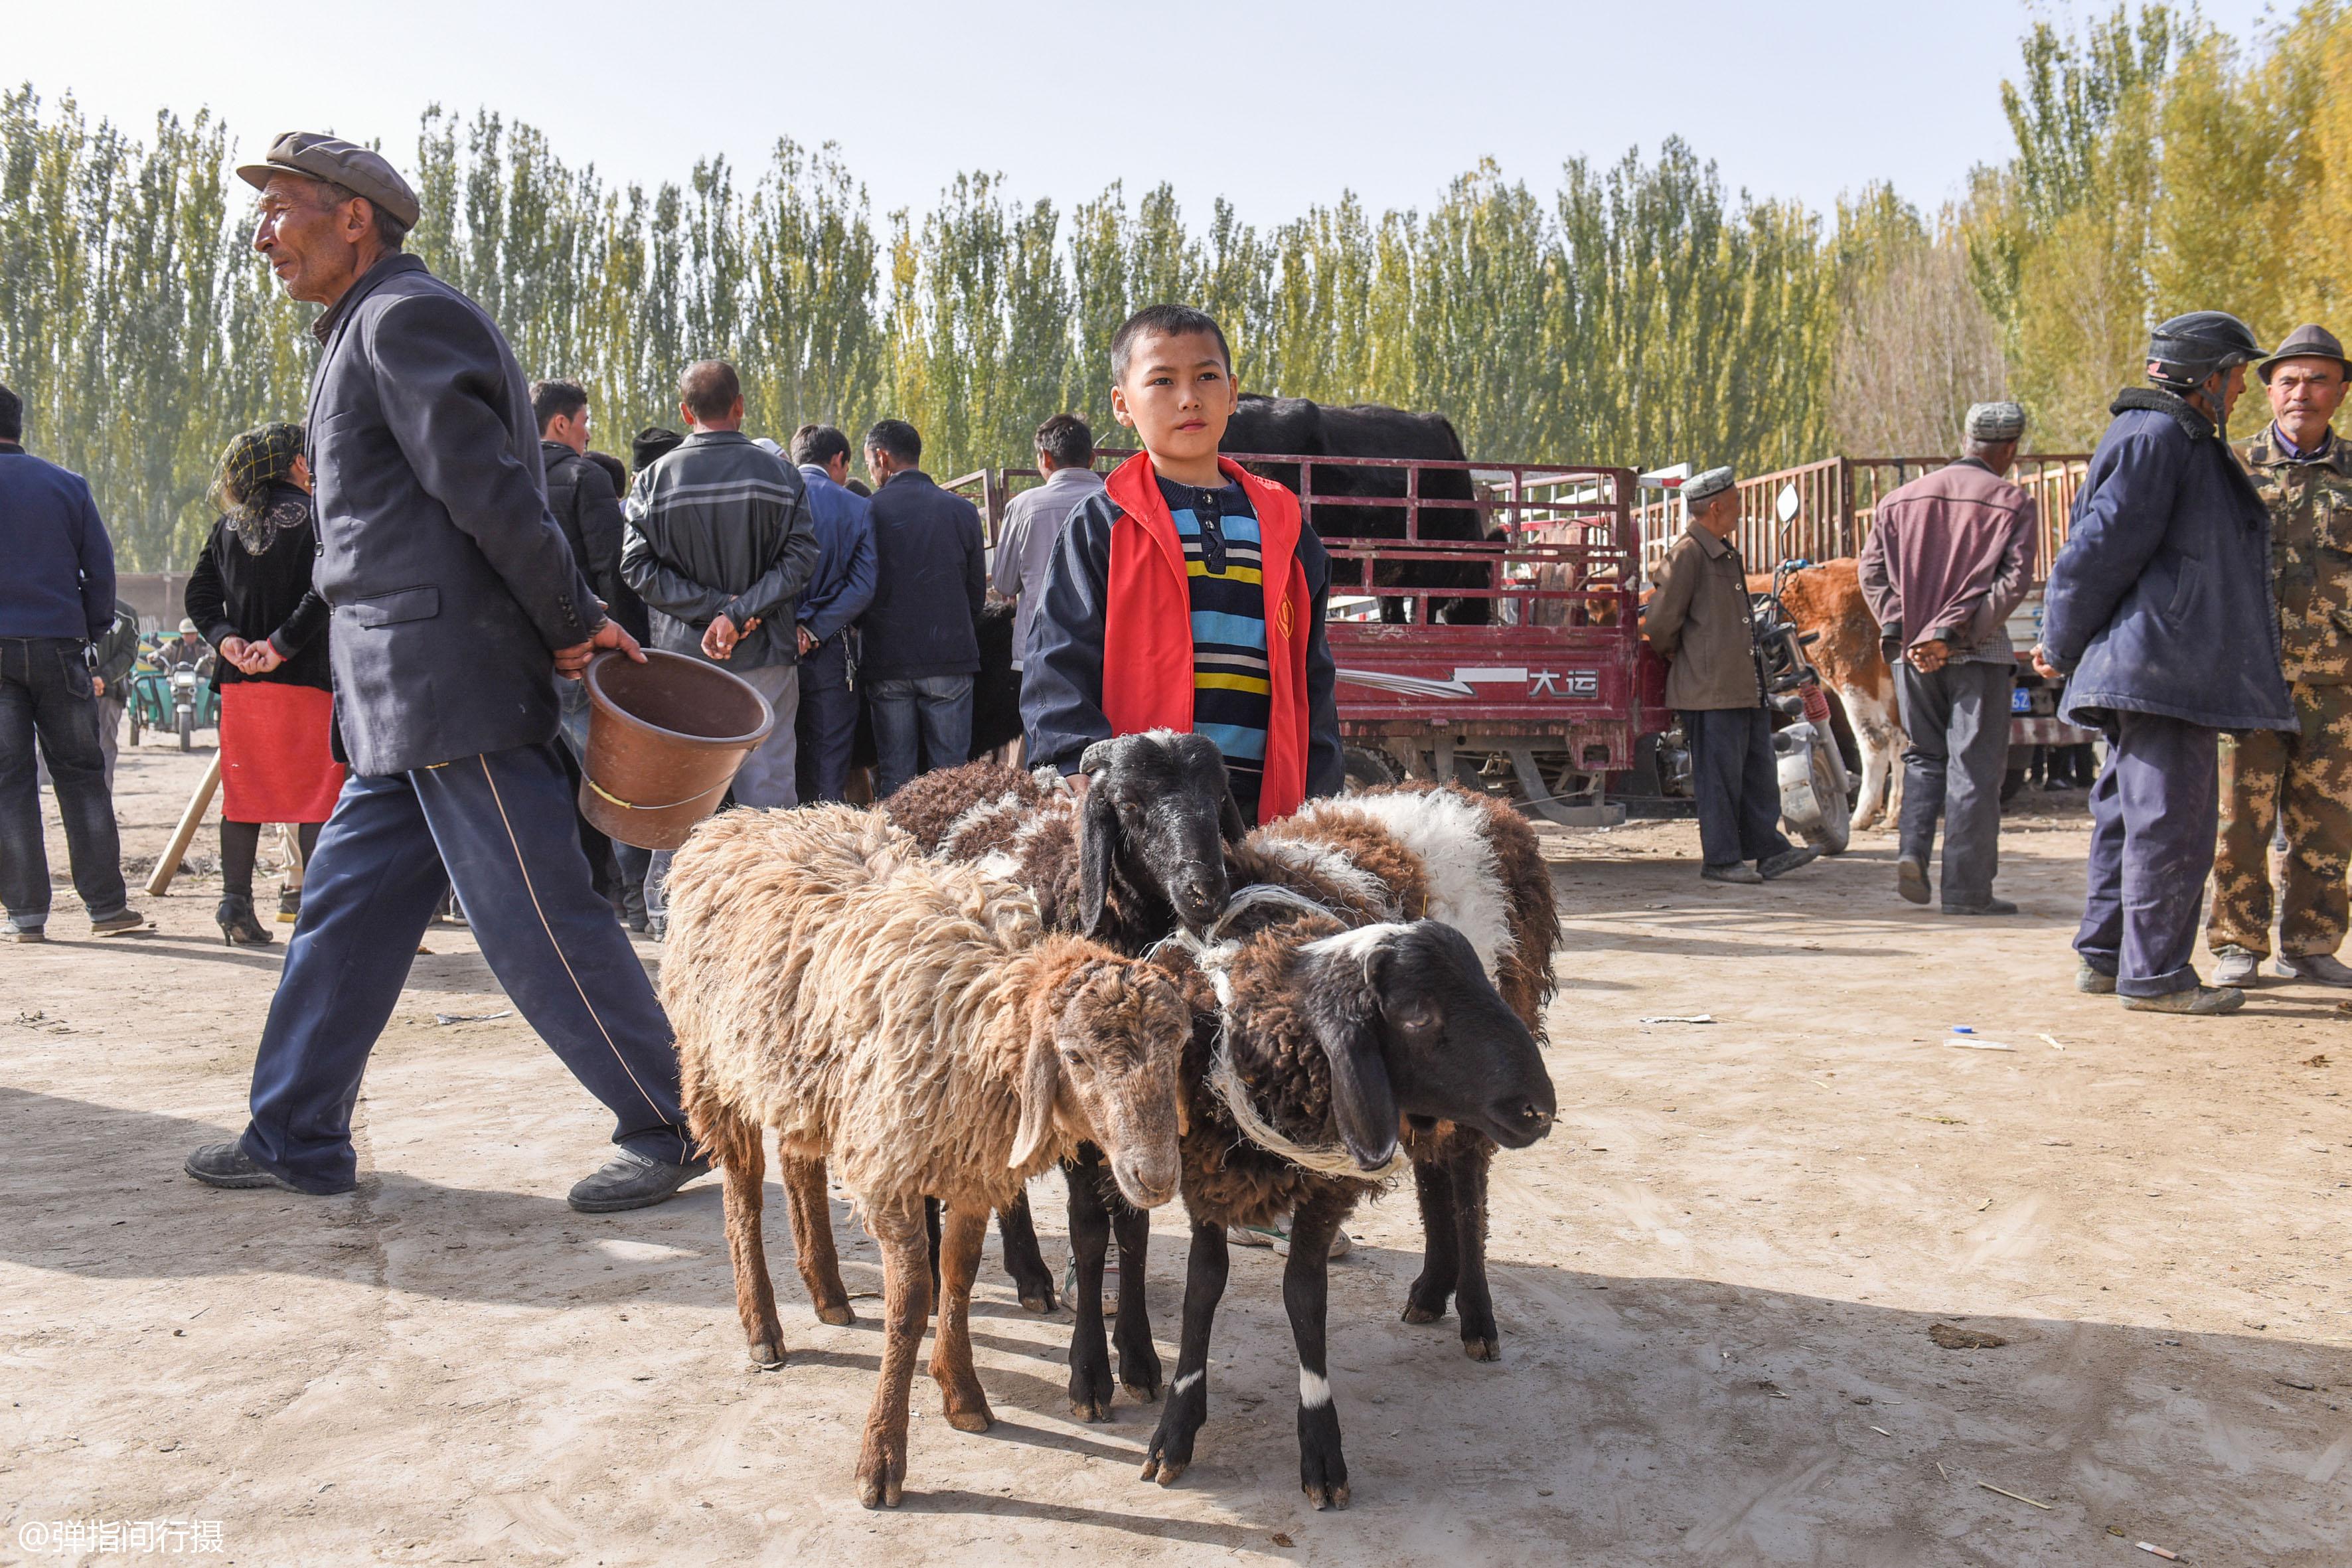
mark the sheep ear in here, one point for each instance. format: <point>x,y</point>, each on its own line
<point>1097,843</point>
<point>1041,1081</point>
<point>1344,1008</point>
<point>1229,819</point>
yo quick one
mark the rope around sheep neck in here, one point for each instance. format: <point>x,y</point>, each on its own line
<point>1225,1080</point>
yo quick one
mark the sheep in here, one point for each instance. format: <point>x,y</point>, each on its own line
<point>1323,1036</point>
<point>910,1020</point>
<point>1472,861</point>
<point>1138,855</point>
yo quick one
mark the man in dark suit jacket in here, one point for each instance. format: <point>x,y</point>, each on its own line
<point>456,604</point>
<point>921,643</point>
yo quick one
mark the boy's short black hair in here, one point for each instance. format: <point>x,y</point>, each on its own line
<point>895,440</point>
<point>814,445</point>
<point>650,445</point>
<point>1066,439</point>
<point>1165,321</point>
<point>614,470</point>
<point>11,416</point>
<point>556,400</point>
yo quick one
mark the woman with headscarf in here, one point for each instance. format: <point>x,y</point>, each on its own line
<point>251,598</point>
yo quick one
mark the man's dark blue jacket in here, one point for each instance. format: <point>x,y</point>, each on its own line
<point>930,579</point>
<point>59,577</point>
<point>452,586</point>
<point>2161,601</point>
<point>843,584</point>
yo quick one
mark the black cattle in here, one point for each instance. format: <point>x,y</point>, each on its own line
<point>1293,425</point>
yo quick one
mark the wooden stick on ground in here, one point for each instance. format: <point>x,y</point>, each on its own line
<point>168,865</point>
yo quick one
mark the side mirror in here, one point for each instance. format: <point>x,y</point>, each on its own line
<point>1788,504</point>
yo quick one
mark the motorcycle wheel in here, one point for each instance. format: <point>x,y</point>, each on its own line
<point>1837,805</point>
<point>187,731</point>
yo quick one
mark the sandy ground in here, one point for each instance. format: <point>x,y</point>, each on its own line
<point>1716,1280</point>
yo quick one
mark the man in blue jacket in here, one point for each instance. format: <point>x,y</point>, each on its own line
<point>456,605</point>
<point>921,642</point>
<point>57,598</point>
<point>2160,614</point>
<point>835,596</point>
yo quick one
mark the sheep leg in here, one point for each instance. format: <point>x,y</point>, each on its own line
<point>1440,1256</point>
<point>1481,1341</point>
<point>960,1396</point>
<point>1188,1397</point>
<point>1307,1293</point>
<point>738,1143</point>
<point>898,1228</point>
<point>813,1249</point>
<point>1090,1380</point>
<point>1130,1331</point>
<point>1023,1259</point>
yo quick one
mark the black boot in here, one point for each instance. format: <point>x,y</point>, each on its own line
<point>289,905</point>
<point>238,926</point>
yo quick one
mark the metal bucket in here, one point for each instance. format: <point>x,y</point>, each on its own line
<point>665,737</point>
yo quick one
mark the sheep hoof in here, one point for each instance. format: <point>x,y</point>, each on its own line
<point>1090,1410</point>
<point>1419,1314</point>
<point>883,1490</point>
<point>1482,1349</point>
<point>1326,1497</point>
<point>838,1315</point>
<point>1167,1471</point>
<point>1041,1305</point>
<point>767,1355</point>
<point>1144,1392</point>
<point>970,1420</point>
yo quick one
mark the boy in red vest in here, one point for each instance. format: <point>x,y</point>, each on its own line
<point>1189,595</point>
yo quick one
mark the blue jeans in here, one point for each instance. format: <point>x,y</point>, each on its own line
<point>920,723</point>
<point>499,826</point>
<point>45,696</point>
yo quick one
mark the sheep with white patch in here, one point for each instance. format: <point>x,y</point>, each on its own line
<point>910,1020</point>
<point>1319,1037</point>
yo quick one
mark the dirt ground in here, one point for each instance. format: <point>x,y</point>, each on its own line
<point>1716,1279</point>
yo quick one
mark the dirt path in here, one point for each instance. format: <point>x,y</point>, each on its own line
<point>1715,1281</point>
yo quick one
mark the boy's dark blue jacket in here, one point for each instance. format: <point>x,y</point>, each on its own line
<point>1061,679</point>
<point>843,584</point>
<point>2161,600</point>
<point>930,579</point>
<point>59,580</point>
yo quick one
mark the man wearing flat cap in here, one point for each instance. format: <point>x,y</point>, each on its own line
<point>1698,619</point>
<point>1949,556</point>
<point>2299,778</point>
<point>457,605</point>
<point>2159,611</point>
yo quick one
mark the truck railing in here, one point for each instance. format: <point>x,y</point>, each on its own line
<point>1837,499</point>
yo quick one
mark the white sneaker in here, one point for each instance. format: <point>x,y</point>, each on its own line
<point>2236,966</point>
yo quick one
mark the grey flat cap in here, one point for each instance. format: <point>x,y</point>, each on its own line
<point>353,167</point>
<point>1701,488</point>
<point>1995,422</point>
<point>2310,341</point>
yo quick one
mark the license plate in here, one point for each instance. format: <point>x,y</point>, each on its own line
<point>2020,699</point>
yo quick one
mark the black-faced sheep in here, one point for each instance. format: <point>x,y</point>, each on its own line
<point>1319,1037</point>
<point>1473,862</point>
<point>1138,855</point>
<point>909,1020</point>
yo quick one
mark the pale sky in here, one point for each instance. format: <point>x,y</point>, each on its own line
<point>1276,106</point>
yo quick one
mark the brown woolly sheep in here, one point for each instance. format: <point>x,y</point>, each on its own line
<point>1320,1037</point>
<point>908,1019</point>
<point>1470,860</point>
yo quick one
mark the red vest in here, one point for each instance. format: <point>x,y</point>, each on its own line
<point>1148,623</point>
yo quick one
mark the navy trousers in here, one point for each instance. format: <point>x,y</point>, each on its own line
<point>827,720</point>
<point>1737,783</point>
<point>2154,812</point>
<point>501,827</point>
<point>45,698</point>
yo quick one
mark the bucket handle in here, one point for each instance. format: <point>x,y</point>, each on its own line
<point>632,805</point>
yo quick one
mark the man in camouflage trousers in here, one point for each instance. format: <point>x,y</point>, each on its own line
<point>2304,475</point>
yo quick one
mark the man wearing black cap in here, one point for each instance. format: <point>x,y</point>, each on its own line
<point>2299,779</point>
<point>1698,619</point>
<point>456,605</point>
<point>1949,555</point>
<point>2159,611</point>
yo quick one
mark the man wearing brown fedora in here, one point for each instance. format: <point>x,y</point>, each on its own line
<point>457,605</point>
<point>2298,779</point>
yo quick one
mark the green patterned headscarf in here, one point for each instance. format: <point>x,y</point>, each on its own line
<point>257,459</point>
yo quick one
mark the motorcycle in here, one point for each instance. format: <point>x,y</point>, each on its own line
<point>1816,794</point>
<point>185,700</point>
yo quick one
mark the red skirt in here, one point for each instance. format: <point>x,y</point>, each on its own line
<point>277,765</point>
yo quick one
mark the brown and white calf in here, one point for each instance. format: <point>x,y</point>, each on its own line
<point>1827,599</point>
